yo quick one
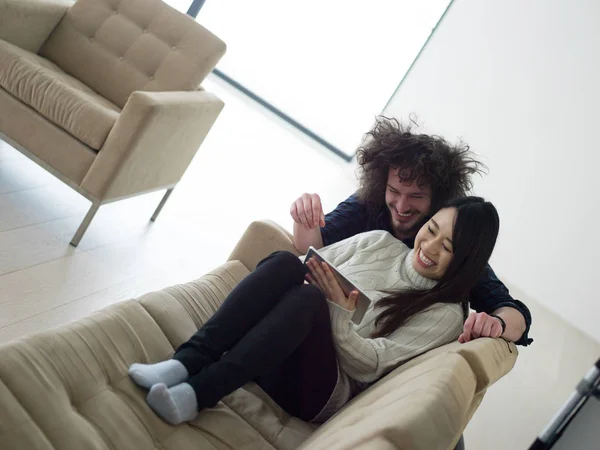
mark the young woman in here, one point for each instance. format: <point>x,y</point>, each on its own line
<point>262,330</point>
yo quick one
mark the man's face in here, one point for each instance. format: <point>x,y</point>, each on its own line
<point>408,203</point>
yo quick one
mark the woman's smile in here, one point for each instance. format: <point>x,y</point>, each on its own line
<point>424,260</point>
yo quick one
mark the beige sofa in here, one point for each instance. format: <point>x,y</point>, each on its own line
<point>68,388</point>
<point>105,94</point>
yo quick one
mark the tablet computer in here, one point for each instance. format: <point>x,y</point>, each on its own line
<point>363,302</point>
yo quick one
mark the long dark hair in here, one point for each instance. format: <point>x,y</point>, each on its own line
<point>424,158</point>
<point>473,240</point>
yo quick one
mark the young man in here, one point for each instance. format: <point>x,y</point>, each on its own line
<point>405,178</point>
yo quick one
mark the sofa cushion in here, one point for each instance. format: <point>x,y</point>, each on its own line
<point>69,389</point>
<point>60,98</point>
<point>118,47</point>
<point>22,127</point>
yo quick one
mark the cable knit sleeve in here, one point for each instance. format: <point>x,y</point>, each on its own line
<point>366,360</point>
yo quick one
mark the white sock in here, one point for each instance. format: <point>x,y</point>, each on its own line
<point>176,404</point>
<point>169,372</point>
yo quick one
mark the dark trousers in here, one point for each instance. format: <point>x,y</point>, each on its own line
<point>272,329</point>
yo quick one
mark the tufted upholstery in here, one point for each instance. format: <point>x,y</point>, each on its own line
<point>60,98</point>
<point>117,47</point>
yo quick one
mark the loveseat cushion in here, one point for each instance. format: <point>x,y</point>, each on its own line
<point>68,388</point>
<point>59,97</point>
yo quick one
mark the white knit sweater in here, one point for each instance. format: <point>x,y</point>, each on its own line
<point>376,261</point>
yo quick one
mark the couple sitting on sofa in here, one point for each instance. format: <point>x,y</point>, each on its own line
<point>409,239</point>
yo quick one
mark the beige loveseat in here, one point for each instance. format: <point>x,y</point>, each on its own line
<point>68,388</point>
<point>105,94</point>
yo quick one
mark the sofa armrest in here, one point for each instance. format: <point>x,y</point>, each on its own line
<point>260,239</point>
<point>152,143</point>
<point>422,408</point>
<point>425,403</point>
<point>28,23</point>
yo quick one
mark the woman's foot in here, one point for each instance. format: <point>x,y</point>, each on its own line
<point>176,405</point>
<point>170,372</point>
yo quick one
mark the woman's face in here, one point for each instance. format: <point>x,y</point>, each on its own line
<point>433,245</point>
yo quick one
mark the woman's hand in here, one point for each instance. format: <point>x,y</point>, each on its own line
<point>480,325</point>
<point>322,277</point>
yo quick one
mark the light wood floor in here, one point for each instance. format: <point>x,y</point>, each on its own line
<point>250,167</point>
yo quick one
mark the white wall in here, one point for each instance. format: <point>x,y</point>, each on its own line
<point>520,82</point>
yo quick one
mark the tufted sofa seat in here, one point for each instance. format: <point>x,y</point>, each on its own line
<point>68,388</point>
<point>105,94</point>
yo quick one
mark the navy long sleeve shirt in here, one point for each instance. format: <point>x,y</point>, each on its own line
<point>352,217</point>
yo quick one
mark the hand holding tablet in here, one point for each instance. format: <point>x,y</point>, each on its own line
<point>347,286</point>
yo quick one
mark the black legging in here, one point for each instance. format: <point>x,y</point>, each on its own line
<point>272,329</point>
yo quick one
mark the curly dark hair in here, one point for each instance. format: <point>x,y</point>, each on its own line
<point>428,159</point>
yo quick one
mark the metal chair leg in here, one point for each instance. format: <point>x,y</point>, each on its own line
<point>161,204</point>
<point>85,224</point>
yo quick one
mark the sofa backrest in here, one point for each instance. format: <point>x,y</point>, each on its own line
<point>117,47</point>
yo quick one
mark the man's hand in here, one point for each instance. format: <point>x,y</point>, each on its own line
<point>322,277</point>
<point>308,211</point>
<point>480,325</point>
